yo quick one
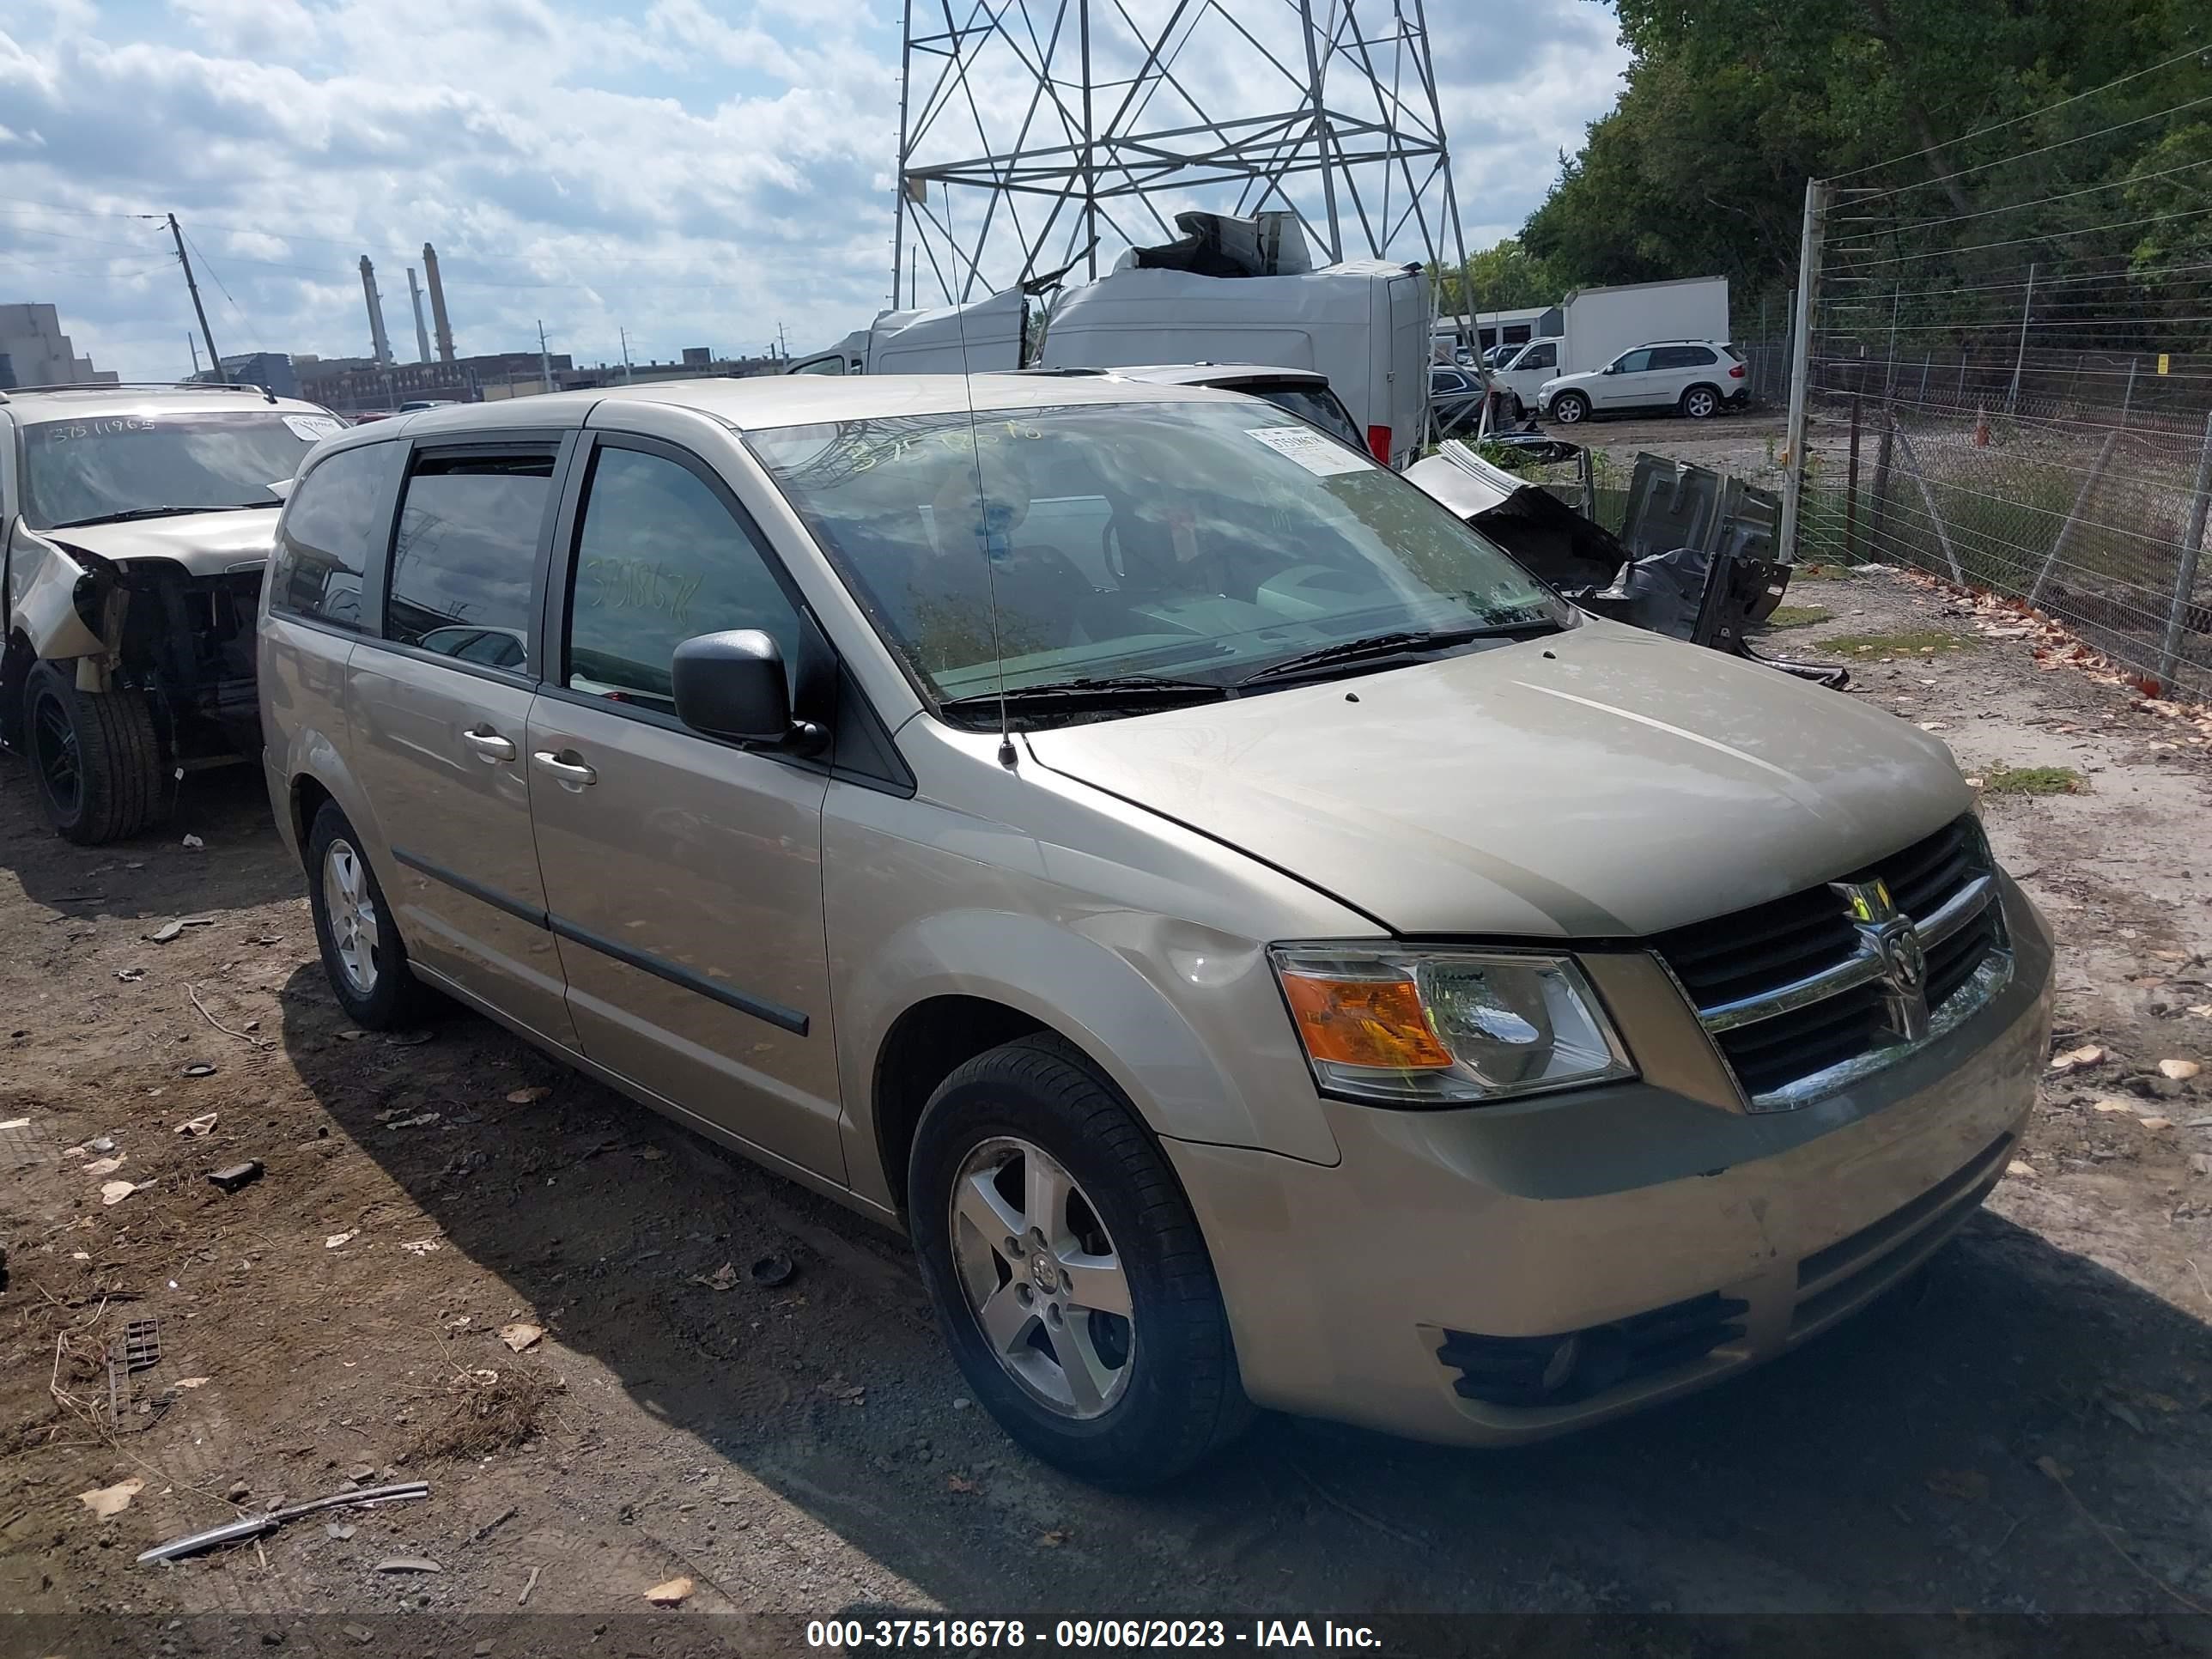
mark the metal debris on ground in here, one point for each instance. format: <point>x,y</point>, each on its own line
<point>256,1526</point>
<point>236,1176</point>
<point>408,1563</point>
<point>165,932</point>
<point>198,1068</point>
<point>773,1271</point>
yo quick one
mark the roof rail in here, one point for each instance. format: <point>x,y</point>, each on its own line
<point>144,385</point>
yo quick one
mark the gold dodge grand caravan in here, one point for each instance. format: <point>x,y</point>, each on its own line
<point>1263,946</point>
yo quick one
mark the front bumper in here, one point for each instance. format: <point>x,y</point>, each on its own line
<point>1440,1231</point>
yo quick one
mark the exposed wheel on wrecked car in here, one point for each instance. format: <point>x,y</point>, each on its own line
<point>1068,1272</point>
<point>1701,403</point>
<point>94,756</point>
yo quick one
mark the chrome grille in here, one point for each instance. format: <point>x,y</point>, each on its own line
<point>1805,992</point>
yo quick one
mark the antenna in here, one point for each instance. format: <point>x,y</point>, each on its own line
<point>1007,756</point>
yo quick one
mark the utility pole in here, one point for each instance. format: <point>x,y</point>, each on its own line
<point>544,362</point>
<point>198,310</point>
<point>624,334</point>
<point>194,343</point>
<point>1801,361</point>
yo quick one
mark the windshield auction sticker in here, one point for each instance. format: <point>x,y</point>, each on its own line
<point>1321,456</point>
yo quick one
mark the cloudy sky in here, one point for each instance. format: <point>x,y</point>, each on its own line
<point>699,171</point>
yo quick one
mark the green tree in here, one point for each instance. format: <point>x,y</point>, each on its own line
<point>1503,276</point>
<point>1731,105</point>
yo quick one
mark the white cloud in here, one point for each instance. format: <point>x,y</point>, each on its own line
<point>699,171</point>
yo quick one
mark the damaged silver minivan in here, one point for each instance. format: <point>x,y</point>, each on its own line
<point>1263,946</point>
<point>134,522</point>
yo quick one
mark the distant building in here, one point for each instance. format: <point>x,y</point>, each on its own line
<point>272,371</point>
<point>355,385</point>
<point>34,350</point>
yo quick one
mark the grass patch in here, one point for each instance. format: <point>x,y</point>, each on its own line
<point>2030,780</point>
<point>1798,616</point>
<point>1912,643</point>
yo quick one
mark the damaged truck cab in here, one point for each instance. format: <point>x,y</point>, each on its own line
<point>135,526</point>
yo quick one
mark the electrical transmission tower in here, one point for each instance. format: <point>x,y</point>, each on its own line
<point>1039,136</point>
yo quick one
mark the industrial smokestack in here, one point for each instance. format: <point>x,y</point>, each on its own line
<point>437,304</point>
<point>422,336</point>
<point>382,346</point>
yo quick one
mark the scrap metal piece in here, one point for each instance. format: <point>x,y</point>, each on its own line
<point>256,1526</point>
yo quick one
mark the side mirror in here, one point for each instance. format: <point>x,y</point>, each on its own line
<point>732,685</point>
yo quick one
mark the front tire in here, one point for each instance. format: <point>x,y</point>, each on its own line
<point>1571,408</point>
<point>363,956</point>
<point>95,755</point>
<point>1068,1272</point>
<point>1701,403</point>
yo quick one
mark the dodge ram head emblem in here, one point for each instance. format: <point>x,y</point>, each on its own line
<point>1893,941</point>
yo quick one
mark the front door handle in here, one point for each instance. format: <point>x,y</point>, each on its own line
<point>571,774</point>
<point>491,748</point>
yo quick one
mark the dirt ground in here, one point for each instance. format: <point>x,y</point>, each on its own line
<point>2027,1427</point>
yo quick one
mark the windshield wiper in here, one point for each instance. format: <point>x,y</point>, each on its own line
<point>1114,690</point>
<point>129,513</point>
<point>1390,645</point>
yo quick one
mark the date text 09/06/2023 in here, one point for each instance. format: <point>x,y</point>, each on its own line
<point>971,1635</point>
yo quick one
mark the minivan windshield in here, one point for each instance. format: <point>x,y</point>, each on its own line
<point>1191,545</point>
<point>107,467</point>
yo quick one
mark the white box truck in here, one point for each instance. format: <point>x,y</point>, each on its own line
<point>1596,325</point>
<point>1363,324</point>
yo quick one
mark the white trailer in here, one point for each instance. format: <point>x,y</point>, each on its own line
<point>1596,325</point>
<point>1363,324</point>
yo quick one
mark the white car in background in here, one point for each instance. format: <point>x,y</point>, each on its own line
<point>1699,378</point>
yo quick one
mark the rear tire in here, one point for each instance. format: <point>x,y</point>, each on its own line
<point>363,956</point>
<point>1142,1395</point>
<point>1571,408</point>
<point>1701,403</point>
<point>94,756</point>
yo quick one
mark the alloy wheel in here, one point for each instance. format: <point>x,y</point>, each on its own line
<point>54,752</point>
<point>351,909</point>
<point>1041,1278</point>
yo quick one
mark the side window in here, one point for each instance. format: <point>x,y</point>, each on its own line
<point>333,518</point>
<point>659,560</point>
<point>1681,357</point>
<point>1542,356</point>
<point>1635,362</point>
<point>467,548</point>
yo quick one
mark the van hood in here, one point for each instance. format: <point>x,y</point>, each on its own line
<point>1600,783</point>
<point>205,544</point>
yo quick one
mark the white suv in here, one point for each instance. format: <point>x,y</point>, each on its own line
<point>1698,377</point>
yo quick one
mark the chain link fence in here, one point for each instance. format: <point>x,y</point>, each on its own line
<point>2013,390</point>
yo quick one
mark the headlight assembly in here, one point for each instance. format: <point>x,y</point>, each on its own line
<point>1443,1028</point>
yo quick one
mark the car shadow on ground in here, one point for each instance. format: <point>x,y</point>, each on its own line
<point>239,861</point>
<point>1892,1464</point>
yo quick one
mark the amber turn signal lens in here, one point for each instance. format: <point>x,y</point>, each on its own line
<point>1364,1022</point>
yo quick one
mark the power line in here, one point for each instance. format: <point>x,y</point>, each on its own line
<point>1858,199</point>
<point>2040,201</point>
<point>1999,126</point>
<point>2024,241</point>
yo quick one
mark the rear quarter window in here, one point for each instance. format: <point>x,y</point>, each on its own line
<point>335,516</point>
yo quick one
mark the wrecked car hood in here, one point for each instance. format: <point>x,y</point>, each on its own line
<point>205,544</point>
<point>1599,782</point>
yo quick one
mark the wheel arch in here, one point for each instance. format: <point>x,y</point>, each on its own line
<point>958,983</point>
